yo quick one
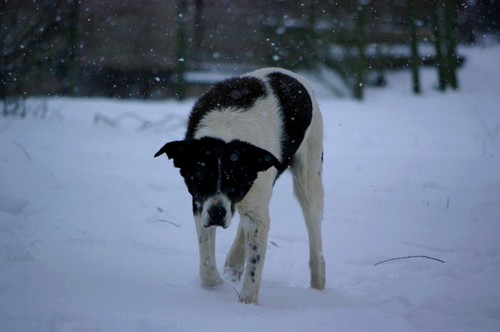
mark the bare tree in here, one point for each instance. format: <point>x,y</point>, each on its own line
<point>361,63</point>
<point>198,32</point>
<point>29,32</point>
<point>180,64</point>
<point>415,57</point>
<point>450,32</point>
<point>444,21</point>
<point>71,69</point>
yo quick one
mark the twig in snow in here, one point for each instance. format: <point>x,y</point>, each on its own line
<point>170,222</point>
<point>407,257</point>
<point>239,296</point>
<point>23,150</point>
<point>491,136</point>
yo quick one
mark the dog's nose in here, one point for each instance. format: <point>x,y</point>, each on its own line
<point>216,213</point>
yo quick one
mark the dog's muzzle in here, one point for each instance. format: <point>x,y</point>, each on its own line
<point>217,211</point>
<point>217,216</point>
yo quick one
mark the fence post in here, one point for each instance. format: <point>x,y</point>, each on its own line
<point>415,57</point>
<point>450,32</point>
<point>360,62</point>
<point>181,52</point>
<point>438,43</point>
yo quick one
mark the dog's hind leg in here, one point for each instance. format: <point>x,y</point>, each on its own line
<point>308,188</point>
<point>206,241</point>
<point>235,260</point>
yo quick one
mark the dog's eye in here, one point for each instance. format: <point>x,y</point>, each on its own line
<point>197,176</point>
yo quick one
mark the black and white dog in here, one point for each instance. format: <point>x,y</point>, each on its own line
<point>241,135</point>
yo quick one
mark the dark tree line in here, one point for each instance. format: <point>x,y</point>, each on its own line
<point>131,48</point>
<point>444,23</point>
<point>33,36</point>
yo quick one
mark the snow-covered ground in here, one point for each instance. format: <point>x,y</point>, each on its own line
<point>97,235</point>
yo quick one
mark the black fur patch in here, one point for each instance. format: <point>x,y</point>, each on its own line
<point>210,165</point>
<point>239,92</point>
<point>296,109</point>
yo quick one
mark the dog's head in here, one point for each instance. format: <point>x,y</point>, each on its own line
<point>217,174</point>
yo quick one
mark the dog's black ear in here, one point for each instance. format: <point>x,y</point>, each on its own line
<point>179,151</point>
<point>268,160</point>
<point>258,159</point>
<point>264,160</point>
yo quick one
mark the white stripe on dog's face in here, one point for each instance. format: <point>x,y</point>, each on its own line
<point>217,210</point>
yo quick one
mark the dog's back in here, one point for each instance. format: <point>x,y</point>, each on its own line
<point>271,108</point>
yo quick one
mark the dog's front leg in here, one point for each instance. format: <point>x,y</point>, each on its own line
<point>256,230</point>
<point>206,241</point>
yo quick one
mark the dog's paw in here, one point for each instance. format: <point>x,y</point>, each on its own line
<point>318,273</point>
<point>211,282</point>
<point>210,279</point>
<point>248,298</point>
<point>232,274</point>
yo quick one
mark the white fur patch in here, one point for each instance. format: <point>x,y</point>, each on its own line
<point>259,125</point>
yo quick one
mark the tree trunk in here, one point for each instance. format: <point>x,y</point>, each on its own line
<point>198,32</point>
<point>438,43</point>
<point>360,65</point>
<point>415,57</point>
<point>72,75</point>
<point>180,61</point>
<point>450,31</point>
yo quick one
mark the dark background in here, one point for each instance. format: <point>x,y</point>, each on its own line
<point>152,49</point>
